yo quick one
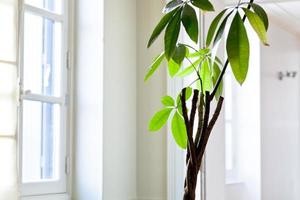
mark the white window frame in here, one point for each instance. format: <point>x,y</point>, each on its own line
<point>176,169</point>
<point>47,189</point>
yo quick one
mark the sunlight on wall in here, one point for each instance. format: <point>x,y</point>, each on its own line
<point>8,111</point>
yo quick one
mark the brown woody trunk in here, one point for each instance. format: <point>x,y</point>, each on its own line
<point>190,182</point>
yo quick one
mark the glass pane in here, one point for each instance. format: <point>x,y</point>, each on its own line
<point>8,107</point>
<point>8,33</point>
<point>42,55</point>
<point>41,131</point>
<point>51,5</point>
<point>8,170</point>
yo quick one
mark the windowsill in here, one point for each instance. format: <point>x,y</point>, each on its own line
<point>48,197</point>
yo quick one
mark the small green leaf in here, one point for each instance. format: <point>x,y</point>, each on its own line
<point>213,27</point>
<point>179,53</point>
<point>237,47</point>
<point>173,67</point>
<point>161,26</point>
<point>179,130</point>
<point>159,119</point>
<point>158,60</point>
<point>261,13</point>
<point>215,77</point>
<point>167,101</point>
<point>204,5</point>
<point>172,5</point>
<point>221,29</point>
<point>188,94</point>
<point>189,70</point>
<point>257,25</point>
<point>171,35</point>
<point>205,75</point>
<point>190,22</point>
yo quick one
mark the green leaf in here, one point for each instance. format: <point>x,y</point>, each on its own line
<point>171,35</point>
<point>205,75</point>
<point>158,60</point>
<point>215,76</point>
<point>213,27</point>
<point>159,119</point>
<point>161,26</point>
<point>179,53</point>
<point>201,52</point>
<point>257,25</point>
<point>179,130</point>
<point>167,101</point>
<point>261,13</point>
<point>204,5</point>
<point>173,67</point>
<point>190,69</point>
<point>190,22</point>
<point>172,5</point>
<point>188,94</point>
<point>237,47</point>
<point>221,29</point>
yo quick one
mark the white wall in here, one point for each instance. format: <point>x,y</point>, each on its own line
<point>87,183</point>
<point>280,117</point>
<point>117,95</point>
<point>151,147</point>
<point>119,133</point>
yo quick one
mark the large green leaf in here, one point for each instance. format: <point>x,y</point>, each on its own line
<point>213,27</point>
<point>257,25</point>
<point>221,29</point>
<point>171,35</point>
<point>204,5</point>
<point>190,22</point>
<point>179,130</point>
<point>157,62</point>
<point>167,101</point>
<point>205,74</point>
<point>215,77</point>
<point>173,67</point>
<point>261,13</point>
<point>237,47</point>
<point>161,26</point>
<point>179,53</point>
<point>172,5</point>
<point>159,119</point>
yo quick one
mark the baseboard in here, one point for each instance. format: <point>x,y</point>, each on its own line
<point>154,198</point>
<point>48,197</point>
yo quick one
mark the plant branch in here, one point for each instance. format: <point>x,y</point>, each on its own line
<point>200,119</point>
<point>191,145</point>
<point>209,129</point>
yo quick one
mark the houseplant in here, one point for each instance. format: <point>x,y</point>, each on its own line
<point>190,113</point>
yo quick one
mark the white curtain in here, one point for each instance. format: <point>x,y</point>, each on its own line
<point>8,99</point>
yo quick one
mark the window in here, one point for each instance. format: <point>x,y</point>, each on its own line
<point>43,97</point>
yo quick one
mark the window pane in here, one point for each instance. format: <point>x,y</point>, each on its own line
<point>8,107</point>
<point>228,146</point>
<point>51,5</point>
<point>8,170</point>
<point>41,131</point>
<point>8,34</point>
<point>42,55</point>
